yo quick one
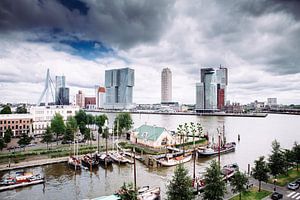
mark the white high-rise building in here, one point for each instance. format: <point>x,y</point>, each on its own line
<point>166,85</point>
<point>100,96</point>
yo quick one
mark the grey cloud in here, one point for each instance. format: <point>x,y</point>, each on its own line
<point>120,24</point>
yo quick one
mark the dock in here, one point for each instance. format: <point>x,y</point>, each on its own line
<point>33,163</point>
<point>18,185</point>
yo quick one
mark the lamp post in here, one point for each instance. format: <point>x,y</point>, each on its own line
<point>274,182</point>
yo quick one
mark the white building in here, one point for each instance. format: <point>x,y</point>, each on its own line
<point>272,102</point>
<point>152,136</point>
<point>166,85</point>
<point>42,115</point>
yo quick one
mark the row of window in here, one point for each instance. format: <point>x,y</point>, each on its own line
<point>14,127</point>
<point>14,121</point>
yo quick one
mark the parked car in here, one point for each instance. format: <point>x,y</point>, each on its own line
<point>67,142</point>
<point>293,186</point>
<point>298,181</point>
<point>31,145</point>
<point>276,196</point>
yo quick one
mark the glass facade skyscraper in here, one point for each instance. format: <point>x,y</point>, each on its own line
<point>119,88</point>
<point>61,92</point>
<point>211,91</point>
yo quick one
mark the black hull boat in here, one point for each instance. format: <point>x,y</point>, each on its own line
<point>208,152</point>
<point>104,160</point>
<point>89,161</point>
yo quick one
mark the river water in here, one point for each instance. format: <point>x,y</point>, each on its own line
<point>256,136</point>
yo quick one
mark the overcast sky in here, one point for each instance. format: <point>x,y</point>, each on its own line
<point>258,41</point>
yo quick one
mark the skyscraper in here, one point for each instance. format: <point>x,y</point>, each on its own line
<point>211,91</point>
<point>166,85</point>
<point>80,99</point>
<point>119,88</point>
<point>61,92</point>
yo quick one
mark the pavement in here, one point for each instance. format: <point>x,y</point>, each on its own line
<point>287,194</point>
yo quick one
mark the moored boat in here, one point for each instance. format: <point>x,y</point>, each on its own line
<point>74,163</point>
<point>89,161</point>
<point>214,151</point>
<point>168,162</point>
<point>21,179</point>
<point>104,159</point>
<point>118,158</point>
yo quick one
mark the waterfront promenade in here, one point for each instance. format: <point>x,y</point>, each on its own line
<point>32,163</point>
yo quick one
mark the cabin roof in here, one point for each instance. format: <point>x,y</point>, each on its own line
<point>147,132</point>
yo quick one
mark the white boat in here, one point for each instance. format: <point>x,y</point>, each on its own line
<point>117,157</point>
<point>147,193</point>
<point>207,152</point>
<point>168,162</point>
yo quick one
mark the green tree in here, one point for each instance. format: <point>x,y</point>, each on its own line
<point>214,185</point>
<point>71,129</point>
<point>47,136</point>
<point>7,135</point>
<point>180,187</point>
<point>276,160</point>
<point>100,121</point>
<point>127,192</point>
<point>123,122</point>
<point>58,125</point>
<point>24,140</point>
<point>260,171</point>
<point>296,154</point>
<point>6,110</point>
<point>82,127</point>
<point>21,109</point>
<point>80,116</point>
<point>238,183</point>
<point>2,144</point>
<point>87,134</point>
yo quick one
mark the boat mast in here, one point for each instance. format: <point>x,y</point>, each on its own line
<point>219,157</point>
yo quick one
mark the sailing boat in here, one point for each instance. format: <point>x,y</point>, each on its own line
<point>74,161</point>
<point>221,148</point>
<point>104,158</point>
<point>116,156</point>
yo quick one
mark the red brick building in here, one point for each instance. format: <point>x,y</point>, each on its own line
<point>18,123</point>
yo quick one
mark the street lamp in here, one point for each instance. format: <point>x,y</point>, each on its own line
<point>274,182</point>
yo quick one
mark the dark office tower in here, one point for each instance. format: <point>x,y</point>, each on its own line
<point>63,96</point>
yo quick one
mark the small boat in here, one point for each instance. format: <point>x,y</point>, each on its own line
<point>89,161</point>
<point>74,163</point>
<point>118,158</point>
<point>229,170</point>
<point>214,151</point>
<point>147,193</point>
<point>104,159</point>
<point>21,179</point>
<point>168,162</point>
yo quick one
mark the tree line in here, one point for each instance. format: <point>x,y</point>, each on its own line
<point>83,123</point>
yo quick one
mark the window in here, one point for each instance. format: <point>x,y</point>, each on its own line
<point>17,127</point>
<point>12,127</point>
<point>4,121</point>
<point>20,121</point>
<point>13,122</point>
<point>8,122</point>
<point>1,122</point>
